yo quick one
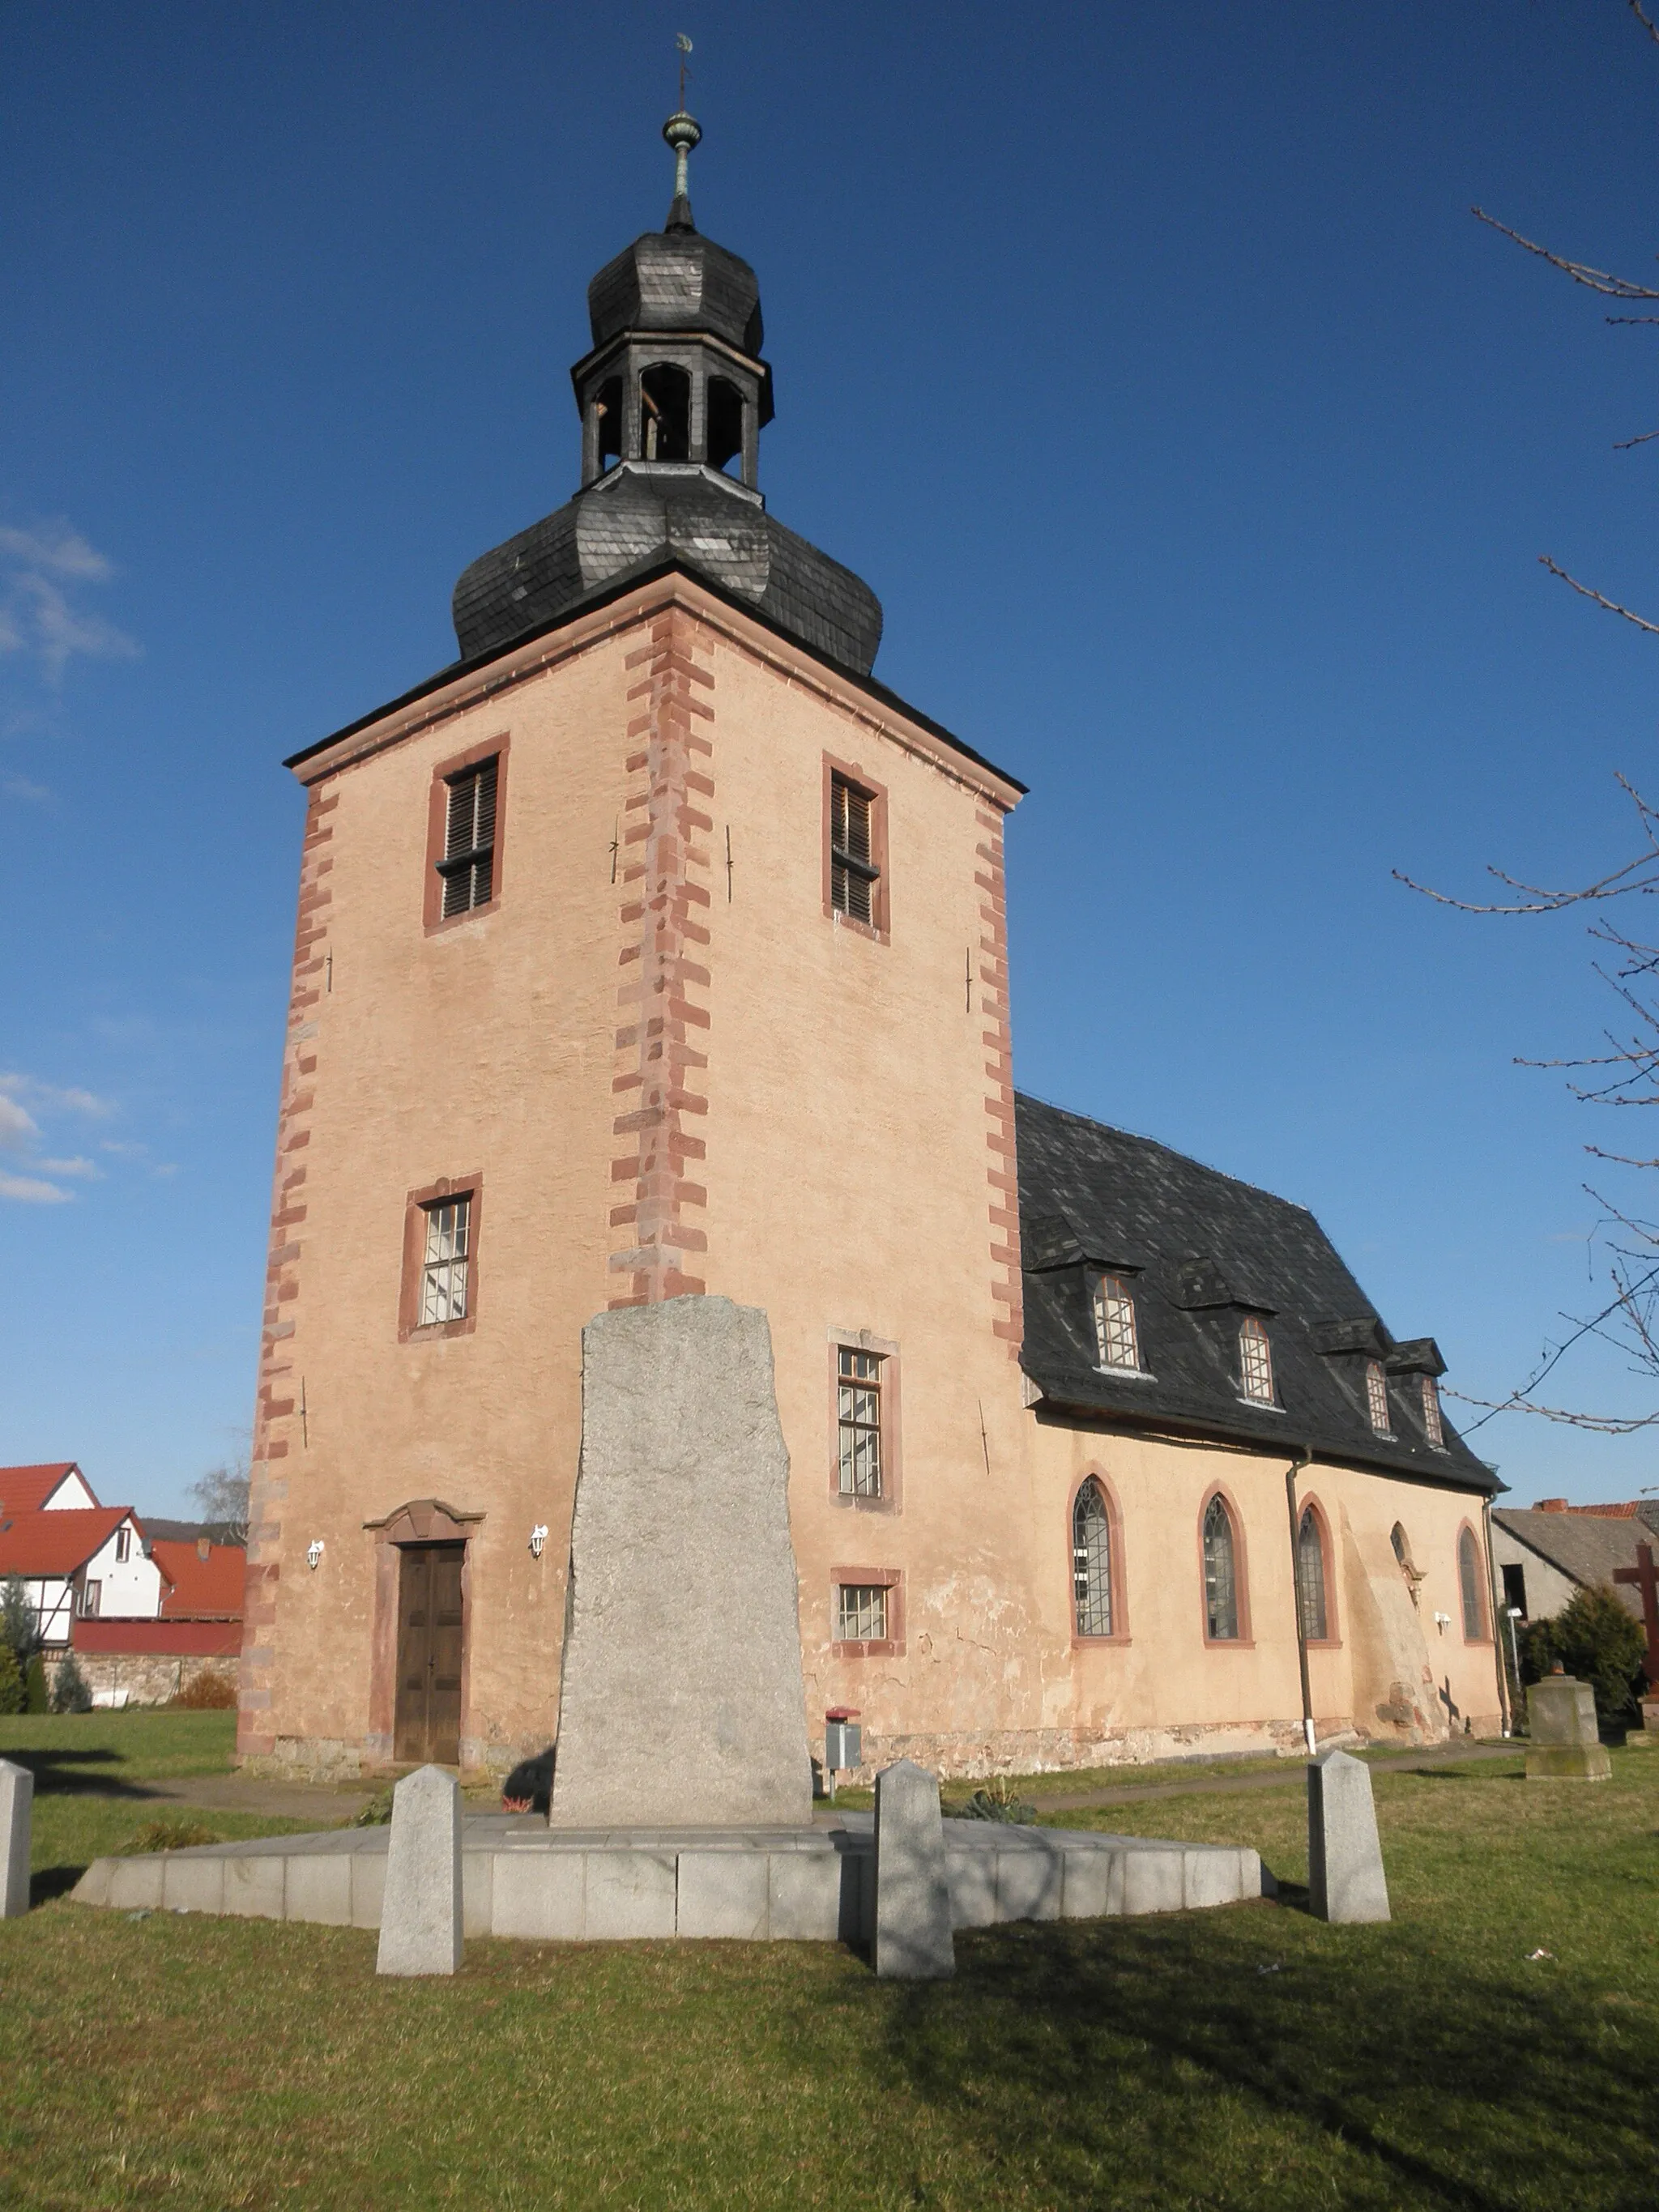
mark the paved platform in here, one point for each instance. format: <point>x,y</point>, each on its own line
<point>520,1878</point>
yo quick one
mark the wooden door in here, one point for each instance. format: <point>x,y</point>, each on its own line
<point>428,1718</point>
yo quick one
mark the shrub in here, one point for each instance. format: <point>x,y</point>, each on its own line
<point>69,1690</point>
<point>1595,1638</point>
<point>996,1802</point>
<point>11,1682</point>
<point>35,1699</point>
<point>167,1836</point>
<point>377,1814</point>
<point>210,1692</point>
<point>19,1630</point>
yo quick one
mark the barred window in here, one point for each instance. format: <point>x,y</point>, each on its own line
<point>1256,1361</point>
<point>1221,1581</point>
<point>1468,1577</point>
<point>860,1613</point>
<point>467,866</point>
<point>1310,1577</point>
<point>443,1267</point>
<point>1116,1341</point>
<point>1092,1561</point>
<point>1376,1396</point>
<point>858,1413</point>
<point>853,871</point>
<point>1432,1428</point>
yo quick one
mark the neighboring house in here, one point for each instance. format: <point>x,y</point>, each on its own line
<point>74,1561</point>
<point>58,1486</point>
<point>1540,1557</point>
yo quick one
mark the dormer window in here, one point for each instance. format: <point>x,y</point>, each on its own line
<point>1431,1427</point>
<point>1376,1396</point>
<point>1255,1362</point>
<point>1117,1345</point>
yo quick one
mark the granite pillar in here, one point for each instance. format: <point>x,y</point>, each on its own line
<point>913,1941</point>
<point>421,1908</point>
<point>1346,1882</point>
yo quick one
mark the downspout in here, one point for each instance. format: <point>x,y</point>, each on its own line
<point>1304,1458</point>
<point>1495,1613</point>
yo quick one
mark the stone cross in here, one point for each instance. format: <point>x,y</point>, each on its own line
<point>1346,1882</point>
<point>17,1820</point>
<point>1644,1575</point>
<point>914,1941</point>
<point>421,1916</point>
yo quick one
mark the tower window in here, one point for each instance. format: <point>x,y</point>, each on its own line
<point>1431,1427</point>
<point>1092,1561</point>
<point>1220,1574</point>
<point>1376,1396</point>
<point>666,414</point>
<point>467,866</point>
<point>852,872</point>
<point>858,1411</point>
<point>724,438</point>
<point>1310,1605</point>
<point>1255,1362</point>
<point>443,1269</point>
<point>1116,1341</point>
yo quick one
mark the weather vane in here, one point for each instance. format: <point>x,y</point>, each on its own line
<point>684,47</point>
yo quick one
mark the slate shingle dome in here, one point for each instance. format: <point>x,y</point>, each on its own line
<point>677,280</point>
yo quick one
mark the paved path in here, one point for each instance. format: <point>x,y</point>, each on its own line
<point>1138,1793</point>
<point>270,1799</point>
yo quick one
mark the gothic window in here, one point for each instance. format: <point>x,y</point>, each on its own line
<point>1468,1578</point>
<point>467,866</point>
<point>853,871</point>
<point>1310,1577</point>
<point>858,1415</point>
<point>443,1267</point>
<point>860,1613</point>
<point>666,414</point>
<point>1116,1342</point>
<point>1376,1396</point>
<point>1092,1561</point>
<point>1432,1428</point>
<point>1256,1361</point>
<point>1220,1575</point>
<point>725,424</point>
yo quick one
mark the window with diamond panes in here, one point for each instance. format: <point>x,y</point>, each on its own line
<point>443,1265</point>
<point>468,865</point>
<point>1092,1561</point>
<point>858,1413</point>
<point>1376,1397</point>
<point>1432,1428</point>
<point>1220,1580</point>
<point>1116,1342</point>
<point>853,871</point>
<point>860,1613</point>
<point>1255,1362</point>
<point>1311,1575</point>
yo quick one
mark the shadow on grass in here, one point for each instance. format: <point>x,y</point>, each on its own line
<point>1131,2049</point>
<point>62,1773</point>
<point>49,1882</point>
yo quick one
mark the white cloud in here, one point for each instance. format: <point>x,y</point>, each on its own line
<point>19,786</point>
<point>40,572</point>
<point>76,1166</point>
<point>27,1190</point>
<point>49,1096</point>
<point>16,1127</point>
<point>56,548</point>
<point>20,1132</point>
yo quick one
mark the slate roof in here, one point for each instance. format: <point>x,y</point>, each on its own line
<point>1199,1250</point>
<point>1585,1546</point>
<point>677,280</point>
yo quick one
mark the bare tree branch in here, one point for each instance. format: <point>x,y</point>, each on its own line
<point>1612,605</point>
<point>1598,280</point>
<point>1624,445</point>
<point>1646,21</point>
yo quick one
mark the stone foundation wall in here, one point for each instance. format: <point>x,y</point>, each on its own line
<point>150,1678</point>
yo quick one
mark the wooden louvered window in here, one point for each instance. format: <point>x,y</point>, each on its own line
<point>468,864</point>
<point>853,874</point>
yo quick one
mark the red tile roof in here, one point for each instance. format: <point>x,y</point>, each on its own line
<point>202,1589</point>
<point>57,1543</point>
<point>208,1639</point>
<point>26,1489</point>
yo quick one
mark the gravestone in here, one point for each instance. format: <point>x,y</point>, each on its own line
<point>914,1941</point>
<point>17,1820</point>
<point>682,1696</point>
<point>1645,1738</point>
<point>1345,1880</point>
<point>421,1911</point>
<point>1565,1743</point>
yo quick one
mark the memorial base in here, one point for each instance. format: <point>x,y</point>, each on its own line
<point>1569,1762</point>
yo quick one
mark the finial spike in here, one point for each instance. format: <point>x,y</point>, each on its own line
<point>682,133</point>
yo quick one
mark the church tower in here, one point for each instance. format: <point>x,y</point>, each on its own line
<point>651,948</point>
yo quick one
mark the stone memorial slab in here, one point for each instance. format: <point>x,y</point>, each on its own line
<point>1565,1743</point>
<point>682,1685</point>
<point>1346,1882</point>
<point>913,1938</point>
<point>16,1825</point>
<point>420,1909</point>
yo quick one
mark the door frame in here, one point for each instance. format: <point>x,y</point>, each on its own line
<point>419,1521</point>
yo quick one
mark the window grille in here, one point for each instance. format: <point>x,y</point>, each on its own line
<point>1432,1428</point>
<point>860,1613</point>
<point>1310,1577</point>
<point>1220,1583</point>
<point>852,872</point>
<point>1092,1561</point>
<point>1255,1362</point>
<point>1115,1337</point>
<point>858,1411</point>
<point>467,866</point>
<point>1468,1575</point>
<point>1376,1397</point>
<point>443,1269</point>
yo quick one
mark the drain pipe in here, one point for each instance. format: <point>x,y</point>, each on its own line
<point>1304,1458</point>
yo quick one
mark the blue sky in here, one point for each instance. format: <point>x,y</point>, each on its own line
<point>1146,360</point>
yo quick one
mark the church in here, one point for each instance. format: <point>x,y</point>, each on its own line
<point>654,949</point>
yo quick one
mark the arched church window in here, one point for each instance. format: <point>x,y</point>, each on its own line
<point>1376,1396</point>
<point>665,413</point>
<point>1256,1361</point>
<point>1220,1573</point>
<point>725,426</point>
<point>1432,1428</point>
<point>1116,1340</point>
<point>608,410</point>
<point>1468,1577</point>
<point>1310,1577</point>
<point>1092,1561</point>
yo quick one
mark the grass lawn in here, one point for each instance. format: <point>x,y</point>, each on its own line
<point>1243,2058</point>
